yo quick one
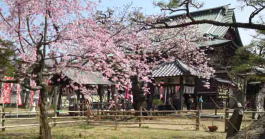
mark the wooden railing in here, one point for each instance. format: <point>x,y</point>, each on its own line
<point>101,116</point>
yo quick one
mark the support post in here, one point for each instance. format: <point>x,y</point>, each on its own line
<point>226,119</point>
<point>215,111</point>
<point>198,119</point>
<point>181,92</point>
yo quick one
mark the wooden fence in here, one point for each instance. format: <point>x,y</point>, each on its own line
<point>113,118</point>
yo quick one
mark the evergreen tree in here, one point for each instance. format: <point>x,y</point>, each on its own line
<point>6,56</point>
<point>250,58</point>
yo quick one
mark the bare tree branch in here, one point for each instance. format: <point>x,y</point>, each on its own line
<point>29,31</point>
<point>256,12</point>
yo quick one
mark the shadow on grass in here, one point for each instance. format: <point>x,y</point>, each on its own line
<point>137,127</point>
<point>18,136</point>
<point>86,126</point>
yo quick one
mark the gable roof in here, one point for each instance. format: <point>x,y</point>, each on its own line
<point>171,69</point>
<point>86,77</point>
<point>220,14</point>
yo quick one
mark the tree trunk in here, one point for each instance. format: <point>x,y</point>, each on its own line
<point>234,123</point>
<point>45,130</point>
<point>55,100</point>
<point>26,99</point>
<point>260,101</point>
<point>256,130</point>
<point>138,94</point>
<point>78,102</point>
<point>58,106</point>
<point>150,96</point>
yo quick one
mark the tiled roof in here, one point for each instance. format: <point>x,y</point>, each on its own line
<point>220,14</point>
<point>171,69</point>
<point>224,81</point>
<point>214,42</point>
<point>85,77</point>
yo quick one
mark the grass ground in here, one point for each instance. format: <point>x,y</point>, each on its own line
<point>155,131</point>
<point>84,131</point>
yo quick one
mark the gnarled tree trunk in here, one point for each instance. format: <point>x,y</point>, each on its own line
<point>257,129</point>
<point>234,123</point>
<point>45,130</point>
<point>138,94</point>
<point>254,131</point>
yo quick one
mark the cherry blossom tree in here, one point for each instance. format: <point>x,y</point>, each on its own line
<point>64,32</point>
<point>146,49</point>
<point>69,34</point>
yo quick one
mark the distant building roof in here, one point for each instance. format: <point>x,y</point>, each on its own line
<point>224,81</point>
<point>214,42</point>
<point>220,14</point>
<point>171,69</point>
<point>259,71</point>
<point>86,77</point>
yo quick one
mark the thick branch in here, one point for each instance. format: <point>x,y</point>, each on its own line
<point>18,32</point>
<point>237,24</point>
<point>185,5</point>
<point>28,27</point>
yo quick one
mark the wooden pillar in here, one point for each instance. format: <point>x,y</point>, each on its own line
<point>113,90</point>
<point>83,105</point>
<point>215,110</point>
<point>197,106</point>
<point>59,100</point>
<point>78,103</point>
<point>100,93</point>
<point>108,95</point>
<point>181,92</point>
<point>226,119</point>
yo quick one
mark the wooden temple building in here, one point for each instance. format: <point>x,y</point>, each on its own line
<point>175,81</point>
<point>65,94</point>
<point>178,79</point>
